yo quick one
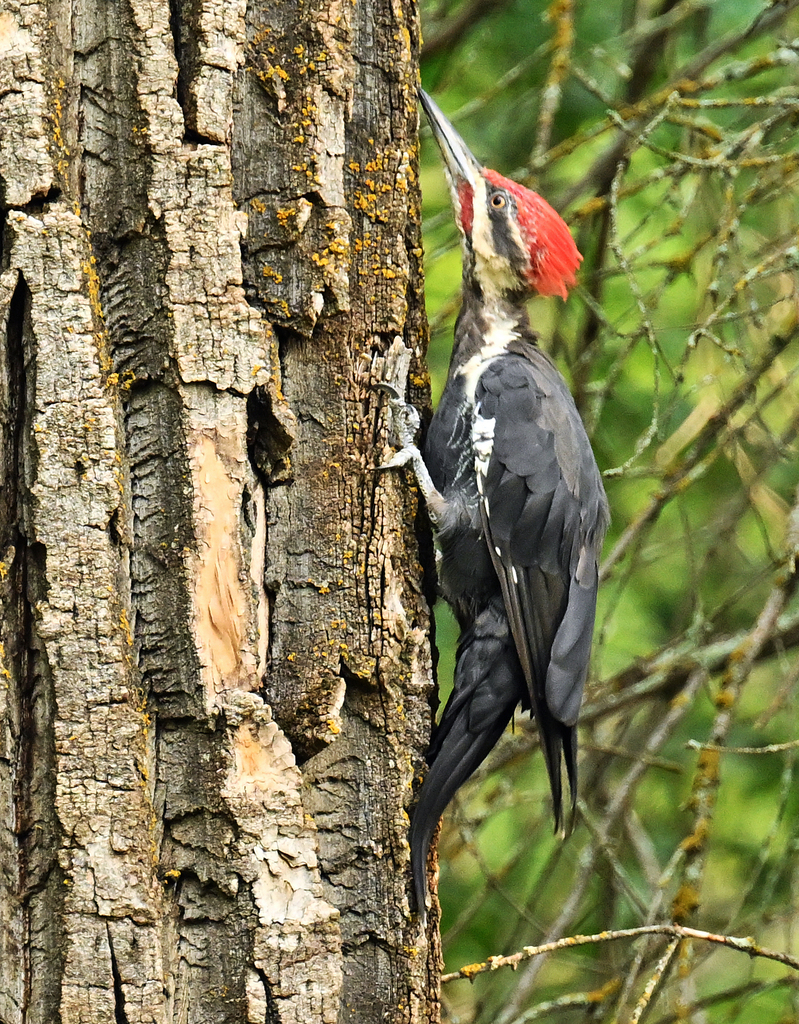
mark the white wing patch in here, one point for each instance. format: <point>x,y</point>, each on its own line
<point>482,445</point>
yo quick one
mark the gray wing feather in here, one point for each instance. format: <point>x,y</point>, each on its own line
<point>544,517</point>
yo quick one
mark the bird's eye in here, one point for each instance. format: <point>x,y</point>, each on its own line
<point>497,201</point>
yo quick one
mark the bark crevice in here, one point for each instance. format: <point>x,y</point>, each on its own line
<point>269,438</point>
<point>27,749</point>
<point>120,1016</point>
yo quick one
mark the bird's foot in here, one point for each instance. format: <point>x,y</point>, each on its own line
<point>405,418</point>
<point>409,454</point>
<point>404,423</point>
<point>404,426</point>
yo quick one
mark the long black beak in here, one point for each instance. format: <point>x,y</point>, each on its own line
<point>460,164</point>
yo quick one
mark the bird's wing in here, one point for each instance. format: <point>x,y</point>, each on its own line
<point>544,514</point>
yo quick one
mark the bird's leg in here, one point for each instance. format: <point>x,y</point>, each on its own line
<point>404,427</point>
<point>405,423</point>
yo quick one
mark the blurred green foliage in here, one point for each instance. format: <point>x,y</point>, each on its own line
<point>666,133</point>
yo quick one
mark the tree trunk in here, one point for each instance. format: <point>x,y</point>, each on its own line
<point>213,626</point>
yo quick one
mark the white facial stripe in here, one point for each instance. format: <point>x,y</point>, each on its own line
<point>481,227</point>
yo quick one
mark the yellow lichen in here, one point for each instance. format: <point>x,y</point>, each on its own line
<point>685,902</point>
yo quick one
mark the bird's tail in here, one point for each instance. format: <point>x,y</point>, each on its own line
<point>488,685</point>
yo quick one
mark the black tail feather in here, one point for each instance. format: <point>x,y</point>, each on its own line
<point>559,744</point>
<point>488,685</point>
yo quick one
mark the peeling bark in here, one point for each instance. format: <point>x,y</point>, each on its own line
<point>213,624</point>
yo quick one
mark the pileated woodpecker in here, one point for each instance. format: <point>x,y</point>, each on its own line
<point>514,494</point>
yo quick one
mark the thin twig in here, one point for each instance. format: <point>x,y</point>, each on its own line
<point>771,748</point>
<point>743,944</point>
<point>717,427</point>
<point>654,982</point>
<point>561,14</point>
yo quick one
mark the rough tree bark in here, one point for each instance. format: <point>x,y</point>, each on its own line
<point>214,632</point>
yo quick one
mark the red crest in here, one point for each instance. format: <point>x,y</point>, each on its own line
<point>554,258</point>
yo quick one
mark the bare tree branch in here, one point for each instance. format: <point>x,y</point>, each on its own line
<point>740,944</point>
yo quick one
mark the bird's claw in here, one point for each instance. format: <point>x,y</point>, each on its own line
<point>405,421</point>
<point>409,453</point>
<point>404,418</point>
<point>388,389</point>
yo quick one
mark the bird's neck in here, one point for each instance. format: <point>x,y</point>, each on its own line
<point>487,325</point>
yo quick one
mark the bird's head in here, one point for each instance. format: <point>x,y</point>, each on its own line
<point>514,242</point>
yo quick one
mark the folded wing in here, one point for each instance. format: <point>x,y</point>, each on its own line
<point>544,515</point>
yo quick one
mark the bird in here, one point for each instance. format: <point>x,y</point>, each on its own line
<point>515,498</point>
